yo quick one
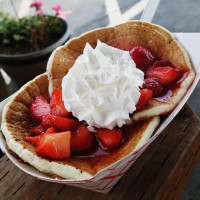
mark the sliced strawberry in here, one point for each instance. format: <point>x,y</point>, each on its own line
<point>39,108</point>
<point>142,57</point>
<point>55,146</point>
<point>145,96</point>
<point>37,130</point>
<point>32,140</point>
<point>81,138</point>
<point>50,130</point>
<point>59,123</point>
<point>57,104</point>
<point>52,145</point>
<point>109,138</point>
<point>163,63</point>
<point>165,75</point>
<point>153,84</point>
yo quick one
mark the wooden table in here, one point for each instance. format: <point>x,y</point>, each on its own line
<point>160,173</point>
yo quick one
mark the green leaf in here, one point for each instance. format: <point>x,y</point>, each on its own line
<point>17,37</point>
<point>6,41</point>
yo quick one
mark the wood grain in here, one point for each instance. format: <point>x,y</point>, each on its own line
<point>160,173</point>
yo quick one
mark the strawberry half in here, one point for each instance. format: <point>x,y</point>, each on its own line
<point>165,75</point>
<point>52,145</point>
<point>145,96</point>
<point>39,108</point>
<point>109,138</point>
<point>81,139</point>
<point>37,130</point>
<point>55,146</point>
<point>57,104</point>
<point>142,57</point>
<point>153,84</point>
<point>59,123</point>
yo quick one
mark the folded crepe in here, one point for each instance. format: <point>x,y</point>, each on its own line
<point>125,36</point>
<point>16,124</point>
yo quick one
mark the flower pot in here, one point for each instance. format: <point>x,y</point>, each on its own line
<point>24,67</point>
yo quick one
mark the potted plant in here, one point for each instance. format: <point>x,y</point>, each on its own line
<point>26,43</point>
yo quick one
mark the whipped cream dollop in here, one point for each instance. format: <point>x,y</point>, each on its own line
<point>102,88</point>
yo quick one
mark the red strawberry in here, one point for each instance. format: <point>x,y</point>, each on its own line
<point>57,104</point>
<point>52,145</point>
<point>165,75</point>
<point>145,96</point>
<point>55,146</point>
<point>81,139</point>
<point>37,130</point>
<point>163,63</point>
<point>39,108</point>
<point>32,140</point>
<point>50,130</point>
<point>142,57</point>
<point>59,123</point>
<point>153,84</point>
<point>109,138</point>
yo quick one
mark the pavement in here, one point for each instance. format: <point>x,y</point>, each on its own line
<point>176,16</point>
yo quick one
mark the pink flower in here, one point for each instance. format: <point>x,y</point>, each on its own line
<point>63,14</point>
<point>57,8</point>
<point>36,3</point>
<point>39,12</point>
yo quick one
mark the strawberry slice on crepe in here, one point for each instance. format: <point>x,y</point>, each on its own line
<point>57,104</point>
<point>165,75</point>
<point>59,123</point>
<point>39,108</point>
<point>52,145</point>
<point>109,138</point>
<point>81,139</point>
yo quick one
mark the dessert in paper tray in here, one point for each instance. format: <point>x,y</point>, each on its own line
<point>98,103</point>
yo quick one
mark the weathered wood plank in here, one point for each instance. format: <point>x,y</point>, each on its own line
<point>160,173</point>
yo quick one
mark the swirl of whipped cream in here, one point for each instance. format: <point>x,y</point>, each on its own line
<point>102,88</point>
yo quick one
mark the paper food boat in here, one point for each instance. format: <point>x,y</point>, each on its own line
<point>105,179</point>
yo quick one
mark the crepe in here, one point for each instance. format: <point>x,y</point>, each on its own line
<point>125,36</point>
<point>16,124</point>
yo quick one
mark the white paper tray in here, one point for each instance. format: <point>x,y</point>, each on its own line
<point>104,180</point>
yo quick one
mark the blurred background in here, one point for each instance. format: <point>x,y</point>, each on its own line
<point>85,15</point>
